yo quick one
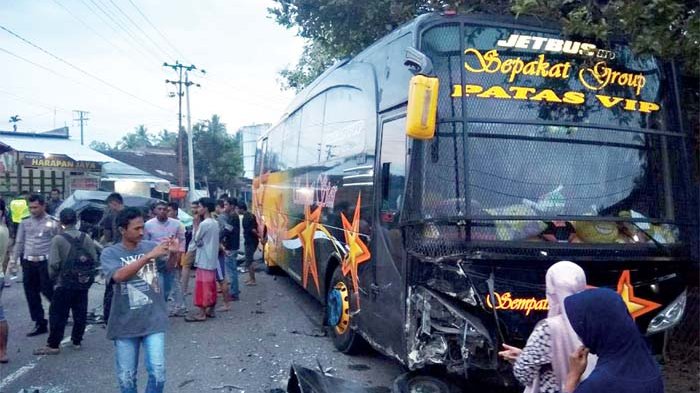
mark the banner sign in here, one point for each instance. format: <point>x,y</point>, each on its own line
<point>60,161</point>
<point>593,76</point>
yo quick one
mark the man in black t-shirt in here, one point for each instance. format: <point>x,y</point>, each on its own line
<point>110,235</point>
<point>250,238</point>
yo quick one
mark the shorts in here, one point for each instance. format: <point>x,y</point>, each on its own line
<point>221,269</point>
<point>249,254</point>
<point>187,259</point>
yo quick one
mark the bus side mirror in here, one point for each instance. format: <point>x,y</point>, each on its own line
<point>422,107</point>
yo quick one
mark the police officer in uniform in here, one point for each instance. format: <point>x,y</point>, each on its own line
<point>32,248</point>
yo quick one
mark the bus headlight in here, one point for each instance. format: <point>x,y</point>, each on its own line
<point>669,316</point>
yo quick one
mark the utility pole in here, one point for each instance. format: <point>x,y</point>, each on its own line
<point>190,139</point>
<point>179,68</point>
<point>83,118</point>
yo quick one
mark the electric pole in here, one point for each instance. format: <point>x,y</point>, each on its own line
<point>179,68</point>
<point>83,118</point>
<point>190,139</point>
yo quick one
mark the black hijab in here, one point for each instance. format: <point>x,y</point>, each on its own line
<point>625,365</point>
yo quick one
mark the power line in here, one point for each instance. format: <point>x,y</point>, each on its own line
<point>141,30</point>
<point>131,59</point>
<point>159,32</point>
<point>80,69</point>
<point>46,68</point>
<point>130,36</point>
<point>124,26</point>
<point>33,102</point>
<point>88,26</point>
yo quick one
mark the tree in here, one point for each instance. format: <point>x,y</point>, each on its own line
<point>166,139</point>
<point>335,29</point>
<point>218,156</point>
<point>100,146</point>
<point>140,138</point>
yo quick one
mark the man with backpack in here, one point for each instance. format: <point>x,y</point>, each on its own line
<point>72,267</point>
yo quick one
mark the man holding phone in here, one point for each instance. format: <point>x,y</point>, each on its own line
<point>139,317</point>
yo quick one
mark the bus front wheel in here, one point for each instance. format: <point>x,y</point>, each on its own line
<point>340,310</point>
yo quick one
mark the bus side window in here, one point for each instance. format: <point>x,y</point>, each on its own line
<point>261,154</point>
<point>393,171</point>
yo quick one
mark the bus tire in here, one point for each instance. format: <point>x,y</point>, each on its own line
<point>273,270</point>
<point>421,381</point>
<point>345,338</point>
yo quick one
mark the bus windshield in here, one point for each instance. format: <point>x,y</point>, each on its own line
<point>533,125</point>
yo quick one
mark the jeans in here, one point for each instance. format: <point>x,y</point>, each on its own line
<point>127,359</point>
<point>232,271</point>
<point>170,283</point>
<point>65,300</point>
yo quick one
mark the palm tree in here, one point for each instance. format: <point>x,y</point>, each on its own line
<point>14,119</point>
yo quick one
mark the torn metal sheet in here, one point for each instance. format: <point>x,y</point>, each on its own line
<point>440,332</point>
<point>306,380</point>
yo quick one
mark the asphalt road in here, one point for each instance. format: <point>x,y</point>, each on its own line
<point>248,349</point>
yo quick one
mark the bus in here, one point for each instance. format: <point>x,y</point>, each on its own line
<point>421,189</point>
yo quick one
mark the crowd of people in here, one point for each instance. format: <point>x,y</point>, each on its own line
<point>146,260</point>
<point>587,343</point>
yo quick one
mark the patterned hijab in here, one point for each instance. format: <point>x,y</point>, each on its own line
<point>563,279</point>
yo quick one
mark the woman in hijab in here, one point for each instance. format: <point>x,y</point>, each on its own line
<point>625,365</point>
<point>543,364</point>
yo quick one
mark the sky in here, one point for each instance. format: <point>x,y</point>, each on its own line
<point>109,62</point>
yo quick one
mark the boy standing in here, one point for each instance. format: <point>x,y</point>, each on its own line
<point>138,316</point>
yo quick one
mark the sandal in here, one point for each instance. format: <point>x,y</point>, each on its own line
<point>4,359</point>
<point>191,318</point>
<point>47,351</point>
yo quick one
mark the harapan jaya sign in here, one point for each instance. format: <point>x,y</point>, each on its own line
<point>60,161</point>
<point>595,77</point>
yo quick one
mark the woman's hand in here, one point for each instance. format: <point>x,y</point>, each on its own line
<point>510,353</point>
<point>578,361</point>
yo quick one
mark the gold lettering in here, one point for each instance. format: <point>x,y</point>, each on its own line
<point>630,105</point>
<point>607,101</point>
<point>490,62</point>
<point>648,107</point>
<point>456,91</point>
<point>574,97</point>
<point>505,301</point>
<point>546,95</point>
<point>521,92</point>
<point>601,76</point>
<point>494,92</point>
<point>472,89</point>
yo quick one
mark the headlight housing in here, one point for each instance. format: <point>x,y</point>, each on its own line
<point>669,316</point>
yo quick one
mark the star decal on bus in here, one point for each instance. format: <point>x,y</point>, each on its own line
<point>636,306</point>
<point>306,231</point>
<point>357,250</point>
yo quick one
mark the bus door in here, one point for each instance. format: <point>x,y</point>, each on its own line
<point>387,307</point>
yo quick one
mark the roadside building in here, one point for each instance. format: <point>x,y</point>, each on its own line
<point>40,162</point>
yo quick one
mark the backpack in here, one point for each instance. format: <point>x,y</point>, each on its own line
<point>79,269</point>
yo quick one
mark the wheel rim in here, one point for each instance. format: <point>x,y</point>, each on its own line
<point>339,308</point>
